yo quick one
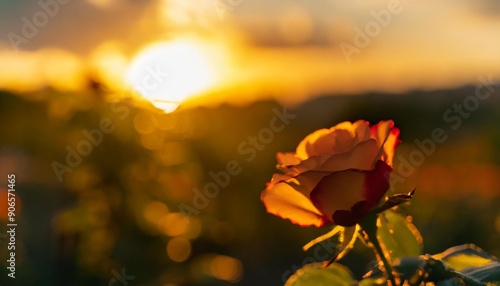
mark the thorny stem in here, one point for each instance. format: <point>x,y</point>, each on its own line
<point>369,229</point>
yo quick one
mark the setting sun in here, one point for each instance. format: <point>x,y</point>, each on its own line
<point>168,73</point>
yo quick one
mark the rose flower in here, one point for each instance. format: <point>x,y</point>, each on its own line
<point>336,175</point>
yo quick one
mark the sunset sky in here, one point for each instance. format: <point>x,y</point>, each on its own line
<point>288,50</point>
<point>151,137</point>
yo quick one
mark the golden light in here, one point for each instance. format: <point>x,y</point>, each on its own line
<point>295,25</point>
<point>178,249</point>
<point>28,71</point>
<point>168,73</point>
<point>101,3</point>
<point>173,153</point>
<point>173,224</point>
<point>53,61</point>
<point>154,210</point>
<point>107,64</point>
<point>143,123</point>
<point>218,266</point>
<point>194,228</point>
<point>226,268</point>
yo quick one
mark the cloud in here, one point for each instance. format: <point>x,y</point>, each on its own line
<point>292,49</point>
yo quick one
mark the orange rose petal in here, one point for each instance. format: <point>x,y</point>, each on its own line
<point>362,129</point>
<point>344,140</point>
<point>381,130</point>
<point>347,196</point>
<point>280,177</point>
<point>360,157</point>
<point>306,143</point>
<point>283,201</point>
<point>340,138</point>
<point>310,194</point>
<point>287,159</point>
<point>376,185</point>
<point>338,191</point>
<point>312,163</point>
<point>387,137</point>
<point>306,182</point>
<point>390,146</point>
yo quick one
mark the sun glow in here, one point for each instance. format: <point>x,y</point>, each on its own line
<point>168,73</point>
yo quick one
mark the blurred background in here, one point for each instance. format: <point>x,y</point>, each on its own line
<point>114,114</point>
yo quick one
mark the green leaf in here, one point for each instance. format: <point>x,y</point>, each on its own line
<point>463,261</point>
<point>315,274</point>
<point>460,265</point>
<point>472,262</point>
<point>488,274</point>
<point>373,282</point>
<point>398,237</point>
<point>463,256</point>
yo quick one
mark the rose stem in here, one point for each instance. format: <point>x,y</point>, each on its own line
<point>369,229</point>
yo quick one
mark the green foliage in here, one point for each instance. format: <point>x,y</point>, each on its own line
<point>470,262</point>
<point>315,274</point>
<point>463,256</point>
<point>459,265</point>
<point>373,282</point>
<point>398,237</point>
<point>462,261</point>
<point>466,265</point>
<point>489,273</point>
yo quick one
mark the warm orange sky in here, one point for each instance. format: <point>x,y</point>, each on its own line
<point>291,50</point>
